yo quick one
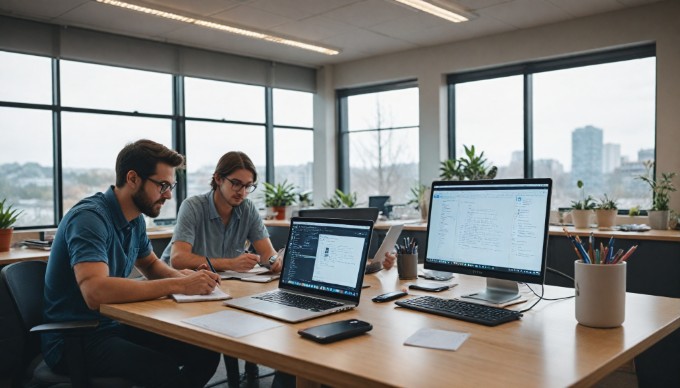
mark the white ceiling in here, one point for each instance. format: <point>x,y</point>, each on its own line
<point>359,28</point>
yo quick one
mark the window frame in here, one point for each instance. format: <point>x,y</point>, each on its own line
<point>341,96</point>
<point>527,70</point>
<point>177,118</point>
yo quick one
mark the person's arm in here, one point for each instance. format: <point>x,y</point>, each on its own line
<point>98,287</point>
<point>266,250</point>
<point>182,257</point>
<point>153,268</point>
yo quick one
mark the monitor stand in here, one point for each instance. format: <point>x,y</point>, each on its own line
<point>497,291</point>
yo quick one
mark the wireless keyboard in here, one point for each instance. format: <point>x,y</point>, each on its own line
<point>471,312</point>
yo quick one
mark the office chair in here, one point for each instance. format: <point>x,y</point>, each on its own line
<point>22,284</point>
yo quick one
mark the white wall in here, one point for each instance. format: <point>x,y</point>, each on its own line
<point>658,22</point>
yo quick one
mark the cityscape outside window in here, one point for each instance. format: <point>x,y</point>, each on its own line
<point>594,123</point>
<point>104,107</point>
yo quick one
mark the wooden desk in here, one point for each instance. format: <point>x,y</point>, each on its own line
<point>22,254</point>
<point>545,348</point>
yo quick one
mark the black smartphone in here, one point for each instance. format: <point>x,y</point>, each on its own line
<point>430,287</point>
<point>335,331</point>
<point>389,296</point>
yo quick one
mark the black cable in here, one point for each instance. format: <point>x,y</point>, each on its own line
<point>538,300</point>
<point>560,273</point>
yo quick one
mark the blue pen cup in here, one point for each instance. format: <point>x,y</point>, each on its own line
<point>600,294</point>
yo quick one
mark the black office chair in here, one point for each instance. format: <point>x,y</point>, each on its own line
<point>22,284</point>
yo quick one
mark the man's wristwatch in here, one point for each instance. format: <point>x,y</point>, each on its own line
<point>272,260</point>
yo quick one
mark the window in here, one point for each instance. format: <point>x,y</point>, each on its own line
<point>379,132</point>
<point>293,137</point>
<point>102,108</point>
<point>589,118</point>
<point>26,158</point>
<point>85,85</point>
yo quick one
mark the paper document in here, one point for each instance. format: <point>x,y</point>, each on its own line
<point>437,339</point>
<point>233,323</point>
<point>257,270</point>
<point>217,294</point>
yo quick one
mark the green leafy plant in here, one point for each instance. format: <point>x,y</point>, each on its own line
<point>341,199</point>
<point>661,189</point>
<point>606,203</point>
<point>471,167</point>
<point>305,198</point>
<point>8,215</point>
<point>586,203</point>
<point>634,211</point>
<point>417,195</point>
<point>280,194</point>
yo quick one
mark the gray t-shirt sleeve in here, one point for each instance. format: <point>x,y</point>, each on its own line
<point>185,228</point>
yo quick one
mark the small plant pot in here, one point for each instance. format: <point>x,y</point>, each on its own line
<point>280,212</point>
<point>581,218</point>
<point>658,219</point>
<point>5,239</point>
<point>606,219</point>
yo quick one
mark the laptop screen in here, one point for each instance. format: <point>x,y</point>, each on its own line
<point>326,256</point>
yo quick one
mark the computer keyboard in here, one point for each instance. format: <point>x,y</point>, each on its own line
<point>466,311</point>
<point>299,301</point>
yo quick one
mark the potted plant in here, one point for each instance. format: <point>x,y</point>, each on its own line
<point>605,212</point>
<point>420,196</point>
<point>279,197</point>
<point>470,167</point>
<point>340,199</point>
<point>8,216</point>
<point>659,214</point>
<point>583,209</point>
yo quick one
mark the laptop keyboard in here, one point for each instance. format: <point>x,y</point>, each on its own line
<point>299,301</point>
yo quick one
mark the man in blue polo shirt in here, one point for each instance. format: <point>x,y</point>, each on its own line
<point>95,248</point>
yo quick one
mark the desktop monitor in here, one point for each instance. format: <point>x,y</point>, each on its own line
<point>379,201</point>
<point>345,213</point>
<point>497,229</point>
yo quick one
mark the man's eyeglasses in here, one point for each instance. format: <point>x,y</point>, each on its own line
<point>165,186</point>
<point>237,185</point>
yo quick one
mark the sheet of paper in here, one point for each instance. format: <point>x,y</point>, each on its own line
<point>437,339</point>
<point>233,323</point>
<point>217,294</point>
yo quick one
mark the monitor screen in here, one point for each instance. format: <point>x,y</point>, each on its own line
<point>492,228</point>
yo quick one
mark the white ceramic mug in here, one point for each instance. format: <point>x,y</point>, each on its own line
<point>600,294</point>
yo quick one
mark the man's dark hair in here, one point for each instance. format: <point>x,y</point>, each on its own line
<point>142,156</point>
<point>230,162</point>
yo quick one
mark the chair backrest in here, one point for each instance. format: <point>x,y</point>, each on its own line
<point>25,283</point>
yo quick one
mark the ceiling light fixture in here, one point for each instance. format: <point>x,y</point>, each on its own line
<point>440,11</point>
<point>221,27</point>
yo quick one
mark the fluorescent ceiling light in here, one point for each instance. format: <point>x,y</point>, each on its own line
<point>435,10</point>
<point>221,27</point>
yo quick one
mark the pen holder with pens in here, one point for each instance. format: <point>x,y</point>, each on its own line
<point>600,294</point>
<point>407,265</point>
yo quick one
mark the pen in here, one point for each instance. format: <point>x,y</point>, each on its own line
<point>210,264</point>
<point>610,251</point>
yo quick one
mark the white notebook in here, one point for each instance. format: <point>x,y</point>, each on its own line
<point>217,294</point>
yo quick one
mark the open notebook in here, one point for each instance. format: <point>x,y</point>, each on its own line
<point>322,272</point>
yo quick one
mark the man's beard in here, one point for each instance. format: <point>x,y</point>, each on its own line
<point>145,205</point>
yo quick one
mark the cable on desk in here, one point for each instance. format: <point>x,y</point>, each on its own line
<point>540,297</point>
<point>560,273</point>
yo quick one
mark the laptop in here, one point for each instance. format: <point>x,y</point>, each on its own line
<point>323,270</point>
<point>387,244</point>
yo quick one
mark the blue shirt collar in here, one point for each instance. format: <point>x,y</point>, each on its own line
<point>117,215</point>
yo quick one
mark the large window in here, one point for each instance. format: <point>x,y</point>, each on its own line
<point>379,130</point>
<point>588,118</point>
<point>97,109</point>
<point>293,137</point>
